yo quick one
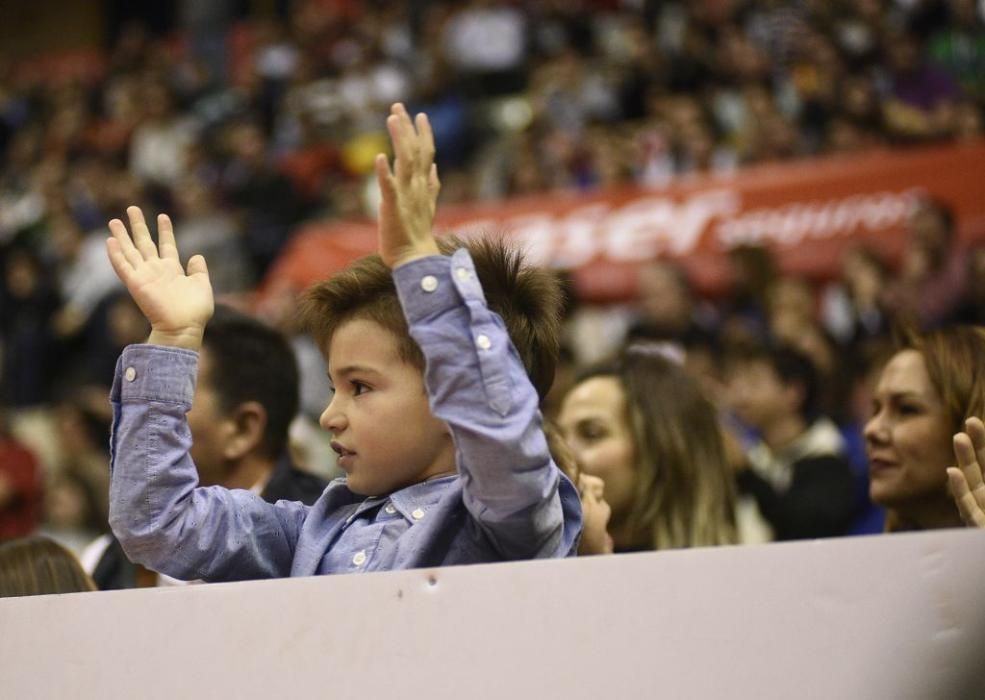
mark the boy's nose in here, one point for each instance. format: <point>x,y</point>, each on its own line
<point>332,419</point>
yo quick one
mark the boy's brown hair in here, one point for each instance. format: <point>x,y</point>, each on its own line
<point>527,298</point>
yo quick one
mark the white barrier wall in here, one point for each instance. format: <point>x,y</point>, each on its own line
<point>877,617</point>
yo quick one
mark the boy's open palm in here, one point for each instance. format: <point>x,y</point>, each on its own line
<point>410,192</point>
<point>177,303</point>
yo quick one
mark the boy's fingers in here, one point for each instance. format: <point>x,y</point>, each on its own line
<point>165,235</point>
<point>384,177</point>
<point>434,184</point>
<point>118,260</point>
<point>425,139</point>
<point>407,146</point>
<point>434,187</point>
<point>196,265</point>
<point>402,156</point>
<point>120,235</point>
<point>141,234</point>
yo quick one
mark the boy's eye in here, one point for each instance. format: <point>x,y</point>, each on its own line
<point>359,388</point>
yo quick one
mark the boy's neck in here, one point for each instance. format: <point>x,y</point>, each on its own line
<point>440,475</point>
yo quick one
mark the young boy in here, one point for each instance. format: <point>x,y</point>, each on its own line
<point>468,479</point>
<point>797,473</point>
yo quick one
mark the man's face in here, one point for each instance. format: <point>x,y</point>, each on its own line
<point>211,428</point>
<point>379,418</point>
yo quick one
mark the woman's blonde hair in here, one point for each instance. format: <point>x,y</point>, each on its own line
<point>685,494</point>
<point>38,566</point>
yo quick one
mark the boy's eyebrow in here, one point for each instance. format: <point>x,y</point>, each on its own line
<point>352,369</point>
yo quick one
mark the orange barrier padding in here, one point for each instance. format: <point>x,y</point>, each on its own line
<point>807,212</point>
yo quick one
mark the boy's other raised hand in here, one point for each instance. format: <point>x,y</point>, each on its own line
<point>966,480</point>
<point>177,303</point>
<point>409,192</point>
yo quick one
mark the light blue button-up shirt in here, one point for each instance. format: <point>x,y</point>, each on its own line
<point>508,501</point>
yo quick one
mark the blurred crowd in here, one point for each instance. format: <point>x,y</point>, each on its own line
<point>245,130</point>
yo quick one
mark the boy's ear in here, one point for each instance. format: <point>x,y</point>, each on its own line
<point>250,422</point>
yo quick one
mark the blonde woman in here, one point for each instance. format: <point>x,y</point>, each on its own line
<point>40,566</point>
<point>643,426</point>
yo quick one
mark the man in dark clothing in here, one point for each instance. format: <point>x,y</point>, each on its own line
<point>246,396</point>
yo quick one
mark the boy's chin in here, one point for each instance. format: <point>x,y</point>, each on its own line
<point>361,487</point>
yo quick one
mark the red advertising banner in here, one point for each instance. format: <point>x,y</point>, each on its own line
<point>806,212</point>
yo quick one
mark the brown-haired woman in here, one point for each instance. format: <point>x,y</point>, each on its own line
<point>38,566</point>
<point>927,391</point>
<point>643,426</point>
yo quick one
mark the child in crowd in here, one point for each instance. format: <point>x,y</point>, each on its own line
<point>435,421</point>
<point>795,475</point>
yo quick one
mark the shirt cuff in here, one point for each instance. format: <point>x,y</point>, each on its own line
<point>156,373</point>
<point>431,285</point>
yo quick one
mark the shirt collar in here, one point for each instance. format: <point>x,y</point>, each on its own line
<point>421,496</point>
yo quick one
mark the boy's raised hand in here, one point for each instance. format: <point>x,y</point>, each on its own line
<point>177,304</point>
<point>966,480</point>
<point>410,192</point>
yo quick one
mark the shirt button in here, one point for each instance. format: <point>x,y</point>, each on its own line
<point>359,558</point>
<point>429,283</point>
<point>417,514</point>
<point>130,374</point>
<point>461,273</point>
<point>483,342</point>
<point>390,509</point>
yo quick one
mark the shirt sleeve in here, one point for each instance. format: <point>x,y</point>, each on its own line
<point>163,520</point>
<point>477,384</point>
